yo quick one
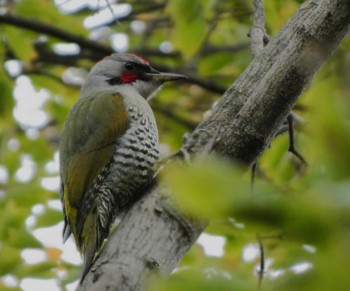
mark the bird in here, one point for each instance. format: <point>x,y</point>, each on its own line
<point>109,148</point>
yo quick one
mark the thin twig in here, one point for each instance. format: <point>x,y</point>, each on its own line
<point>253,176</point>
<point>262,266</point>
<point>258,33</point>
<point>292,148</point>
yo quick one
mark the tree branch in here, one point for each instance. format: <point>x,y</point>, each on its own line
<point>45,55</point>
<point>269,87</point>
<point>99,49</point>
<point>153,235</point>
<point>258,33</point>
<point>53,31</point>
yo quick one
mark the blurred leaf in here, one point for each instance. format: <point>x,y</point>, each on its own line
<point>330,269</point>
<point>6,288</point>
<point>27,194</point>
<point>276,161</point>
<point>278,12</point>
<point>21,238</point>
<point>50,217</point>
<point>206,280</point>
<point>55,86</point>
<point>42,270</point>
<point>189,26</point>
<point>47,12</point>
<point>12,216</point>
<point>6,103</point>
<point>9,158</point>
<point>10,258</point>
<point>39,149</point>
<point>17,40</point>
<point>207,188</point>
<point>330,129</point>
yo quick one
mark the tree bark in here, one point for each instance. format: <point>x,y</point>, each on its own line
<point>258,37</point>
<point>153,236</point>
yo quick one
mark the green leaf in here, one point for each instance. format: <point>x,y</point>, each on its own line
<point>50,217</point>
<point>47,12</point>
<point>277,161</point>
<point>10,258</point>
<point>21,238</point>
<point>26,195</point>
<point>189,26</point>
<point>12,216</point>
<point>42,270</point>
<point>19,39</point>
<point>7,102</point>
<point>330,130</point>
<point>206,189</point>
<point>205,280</point>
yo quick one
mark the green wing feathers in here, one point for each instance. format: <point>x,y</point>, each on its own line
<point>87,145</point>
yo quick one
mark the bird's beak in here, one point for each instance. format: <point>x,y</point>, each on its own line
<point>165,77</point>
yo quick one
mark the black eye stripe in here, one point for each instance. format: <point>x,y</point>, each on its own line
<point>137,67</point>
<point>130,66</point>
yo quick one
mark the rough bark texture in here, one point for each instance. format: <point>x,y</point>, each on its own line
<point>258,36</point>
<point>153,236</point>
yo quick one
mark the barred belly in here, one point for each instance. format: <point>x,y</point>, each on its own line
<point>132,166</point>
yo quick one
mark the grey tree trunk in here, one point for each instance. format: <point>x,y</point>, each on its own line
<point>153,235</point>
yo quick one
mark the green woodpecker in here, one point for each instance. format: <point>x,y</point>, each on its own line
<point>109,147</point>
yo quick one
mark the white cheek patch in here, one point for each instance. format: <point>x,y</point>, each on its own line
<point>128,90</point>
<point>146,89</point>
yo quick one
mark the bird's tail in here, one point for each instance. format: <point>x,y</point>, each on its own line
<point>93,235</point>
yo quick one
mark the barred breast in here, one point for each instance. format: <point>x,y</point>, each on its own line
<point>133,163</point>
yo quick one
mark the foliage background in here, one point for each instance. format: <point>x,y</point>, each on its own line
<point>299,214</point>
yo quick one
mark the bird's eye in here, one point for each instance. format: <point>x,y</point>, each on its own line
<point>129,66</point>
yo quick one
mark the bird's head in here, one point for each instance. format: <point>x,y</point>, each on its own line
<point>126,72</point>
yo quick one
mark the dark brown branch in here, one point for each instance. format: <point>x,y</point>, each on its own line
<point>53,31</point>
<point>85,43</point>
